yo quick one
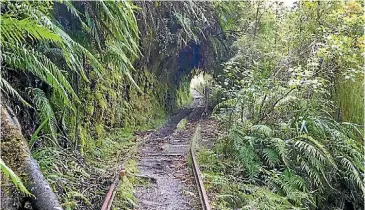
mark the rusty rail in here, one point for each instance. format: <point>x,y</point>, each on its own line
<point>199,181</point>
<point>110,195</point>
<point>108,201</point>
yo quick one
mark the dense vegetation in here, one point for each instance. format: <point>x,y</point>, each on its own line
<point>82,77</point>
<point>293,109</point>
<point>286,84</point>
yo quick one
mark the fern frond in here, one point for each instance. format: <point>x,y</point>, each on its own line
<point>262,131</point>
<point>313,149</point>
<point>263,198</point>
<point>7,88</point>
<point>30,60</point>
<point>119,16</point>
<point>76,13</point>
<point>352,173</point>
<point>121,61</point>
<point>70,48</point>
<point>271,156</point>
<point>313,173</point>
<point>16,31</point>
<point>319,146</point>
<point>281,148</point>
<point>45,111</point>
<point>249,159</point>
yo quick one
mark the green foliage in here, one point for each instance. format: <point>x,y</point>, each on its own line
<point>125,198</point>
<point>45,111</point>
<point>44,50</point>
<point>67,171</point>
<point>183,95</point>
<point>181,125</point>
<point>77,63</point>
<point>9,90</point>
<point>343,49</point>
<point>284,106</point>
<point>14,178</point>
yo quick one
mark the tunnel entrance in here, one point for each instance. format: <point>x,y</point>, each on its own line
<point>188,59</point>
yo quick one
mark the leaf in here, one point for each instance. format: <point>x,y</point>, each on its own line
<point>14,178</point>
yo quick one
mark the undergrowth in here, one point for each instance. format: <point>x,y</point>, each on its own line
<point>291,113</point>
<point>82,182</point>
<point>125,198</point>
<point>228,191</point>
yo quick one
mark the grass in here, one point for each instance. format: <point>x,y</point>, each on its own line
<point>81,182</point>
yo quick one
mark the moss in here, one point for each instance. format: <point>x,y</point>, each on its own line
<point>99,129</point>
<point>83,138</point>
<point>125,198</point>
<point>350,96</point>
<point>184,97</point>
<point>181,125</point>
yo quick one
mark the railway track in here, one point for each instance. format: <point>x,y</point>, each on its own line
<point>164,158</point>
<point>197,174</point>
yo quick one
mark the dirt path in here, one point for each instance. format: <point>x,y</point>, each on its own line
<point>164,157</point>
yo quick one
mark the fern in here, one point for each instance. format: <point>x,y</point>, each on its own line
<point>248,158</point>
<point>118,22</point>
<point>262,131</point>
<point>7,88</point>
<point>38,64</point>
<point>321,152</point>
<point>263,198</point>
<point>26,26</point>
<point>271,156</point>
<point>352,173</point>
<point>45,111</point>
<point>16,31</point>
<point>280,146</point>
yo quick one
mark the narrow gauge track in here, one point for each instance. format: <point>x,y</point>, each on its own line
<point>163,157</point>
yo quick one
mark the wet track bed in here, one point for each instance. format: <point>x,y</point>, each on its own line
<point>163,156</point>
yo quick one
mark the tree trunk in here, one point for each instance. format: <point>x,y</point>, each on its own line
<point>16,155</point>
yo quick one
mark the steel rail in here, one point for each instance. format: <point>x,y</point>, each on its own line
<point>199,181</point>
